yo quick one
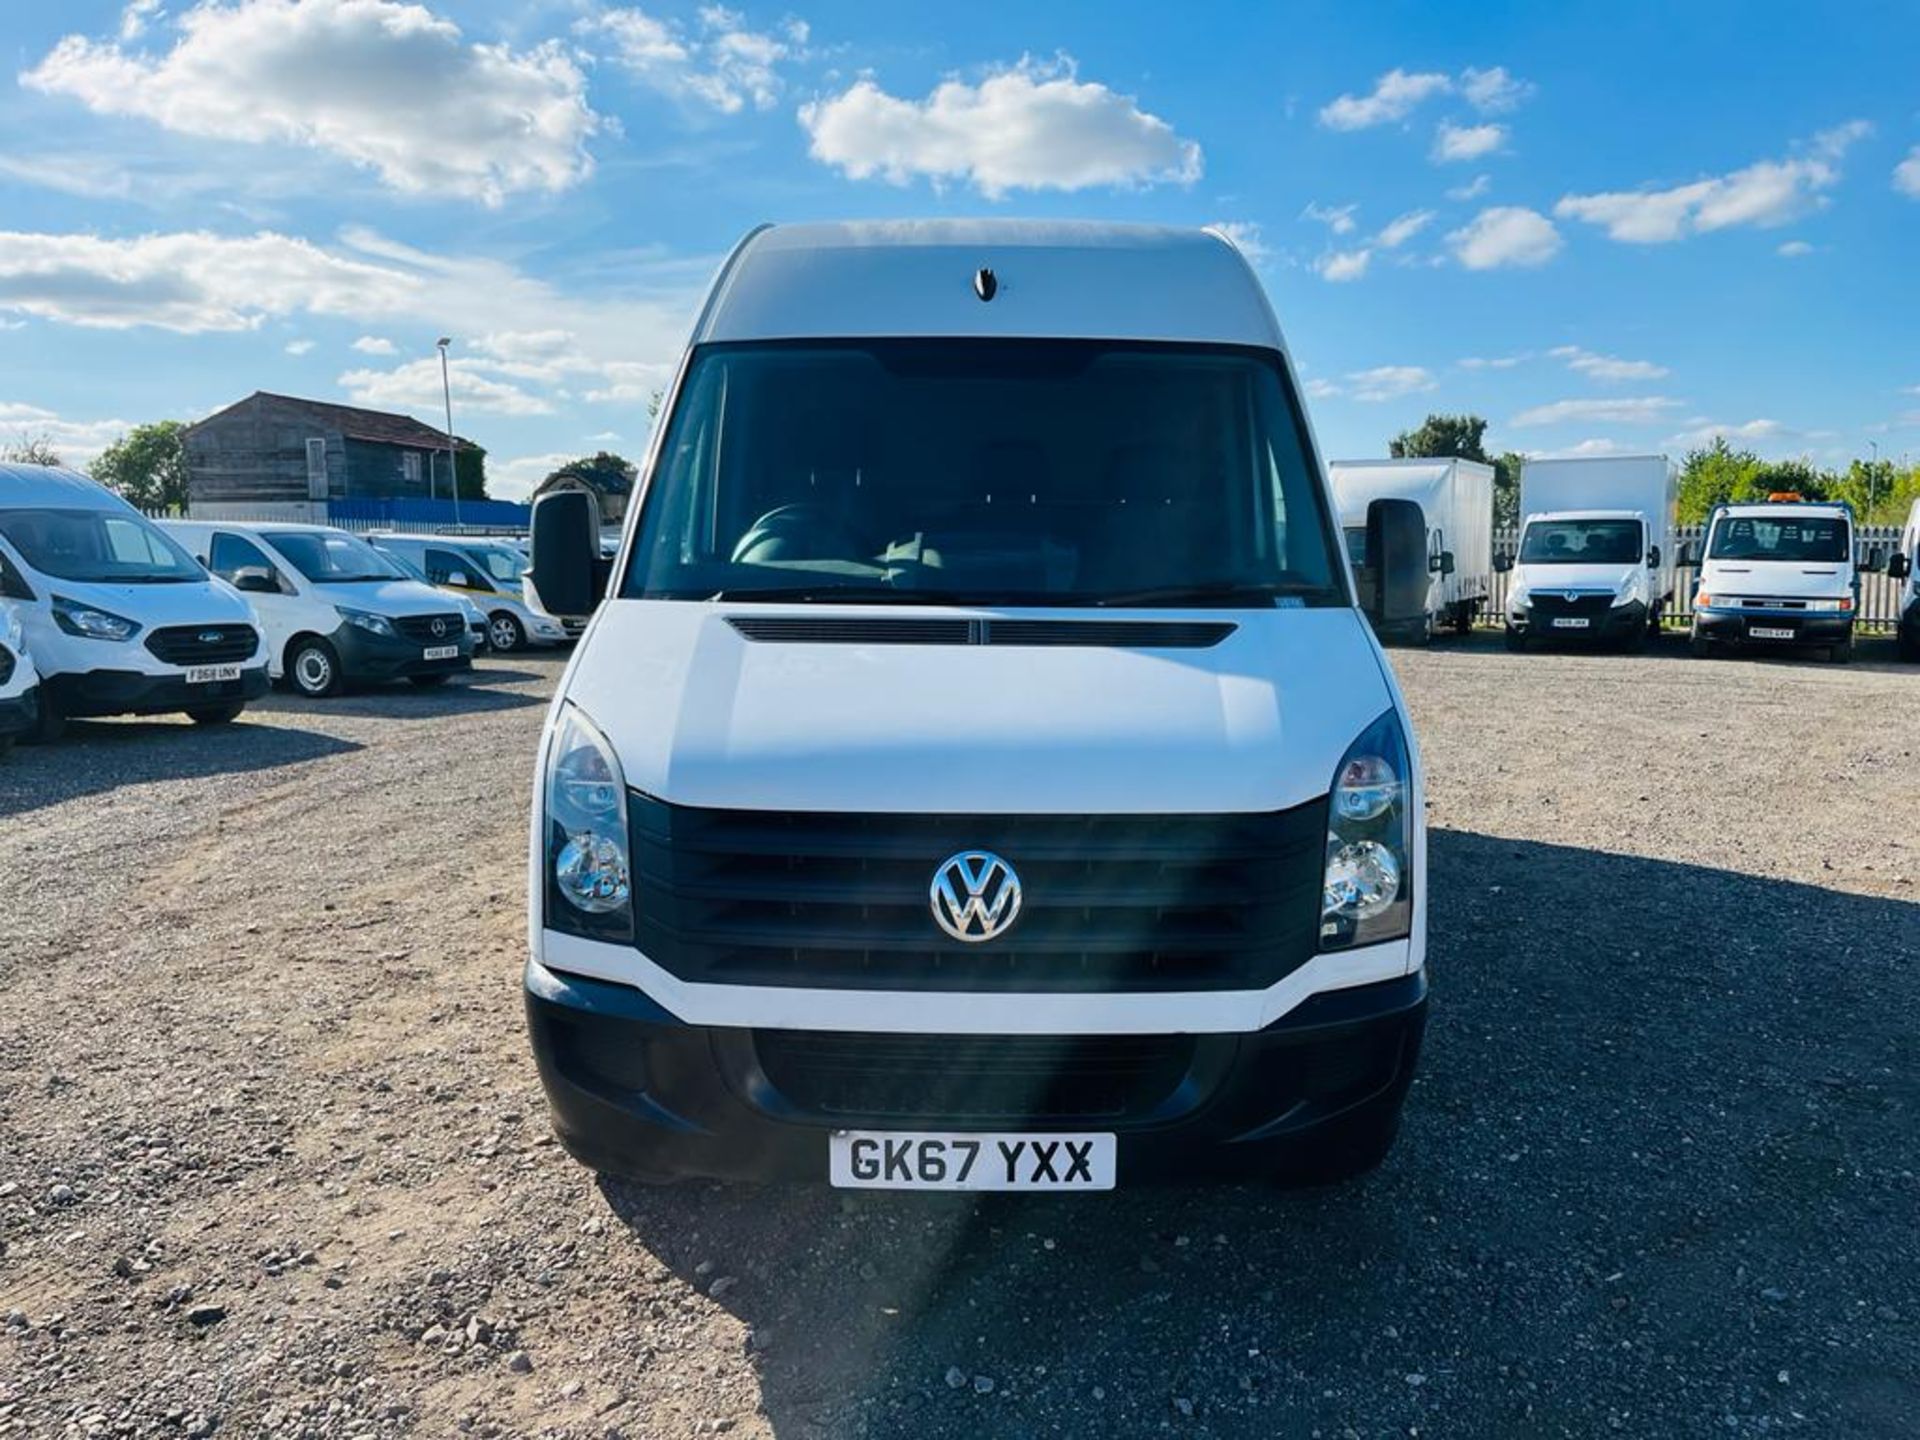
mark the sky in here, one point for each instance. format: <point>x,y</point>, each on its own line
<point>1604,227</point>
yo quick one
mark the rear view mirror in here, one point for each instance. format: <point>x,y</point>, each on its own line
<point>1397,550</point>
<point>1653,557</point>
<point>1446,562</point>
<point>1898,566</point>
<point>255,580</point>
<point>1503,562</point>
<point>1870,562</point>
<point>568,574</point>
<point>457,578</point>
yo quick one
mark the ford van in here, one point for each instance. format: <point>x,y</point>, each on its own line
<point>977,771</point>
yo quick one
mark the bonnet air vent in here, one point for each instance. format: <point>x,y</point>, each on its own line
<point>879,630</point>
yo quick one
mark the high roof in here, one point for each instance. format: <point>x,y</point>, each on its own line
<point>379,426</point>
<point>1052,278</point>
<point>53,487</point>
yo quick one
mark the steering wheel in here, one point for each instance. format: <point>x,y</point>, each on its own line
<point>806,530</point>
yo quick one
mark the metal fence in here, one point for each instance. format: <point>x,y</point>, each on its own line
<point>478,517</point>
<point>1880,594</point>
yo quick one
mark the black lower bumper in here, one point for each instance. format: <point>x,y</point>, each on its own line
<point>18,712</point>
<point>1615,623</point>
<point>366,656</point>
<point>635,1091</point>
<point>133,692</point>
<point>1735,627</point>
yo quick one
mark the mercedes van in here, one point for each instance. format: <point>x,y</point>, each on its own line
<point>1778,575</point>
<point>19,680</point>
<point>487,573</point>
<point>118,618</point>
<point>979,773</point>
<point>335,610</point>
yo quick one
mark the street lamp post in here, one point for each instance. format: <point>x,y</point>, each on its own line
<point>453,463</point>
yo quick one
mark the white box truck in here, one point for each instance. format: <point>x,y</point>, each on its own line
<point>1456,497</point>
<point>977,771</point>
<point>1597,550</point>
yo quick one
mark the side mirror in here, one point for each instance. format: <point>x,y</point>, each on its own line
<point>1870,563</point>
<point>1397,548</point>
<point>1653,557</point>
<point>457,578</point>
<point>254,580</point>
<point>1446,562</point>
<point>568,574</point>
<point>1503,562</point>
<point>1898,566</point>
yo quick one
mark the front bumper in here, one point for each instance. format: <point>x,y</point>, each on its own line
<point>634,1090</point>
<point>18,712</point>
<point>1618,622</point>
<point>83,693</point>
<point>1735,627</point>
<point>367,656</point>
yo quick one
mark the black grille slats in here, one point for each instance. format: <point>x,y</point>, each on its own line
<point>924,630</point>
<point>1108,902</point>
<point>188,644</point>
<point>1547,604</point>
<point>421,628</point>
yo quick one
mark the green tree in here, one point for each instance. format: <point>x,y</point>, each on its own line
<point>1440,435</point>
<point>1506,487</point>
<point>1714,475</point>
<point>470,471</point>
<point>31,450</point>
<point>147,466</point>
<point>607,472</point>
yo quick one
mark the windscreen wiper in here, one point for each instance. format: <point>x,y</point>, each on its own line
<point>1208,592</point>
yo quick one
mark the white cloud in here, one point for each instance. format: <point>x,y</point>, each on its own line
<point>1403,228</point>
<point>375,345</point>
<point>1337,218</point>
<point>1343,265</point>
<point>1321,389</point>
<point>1700,432</point>
<point>135,17</point>
<point>1505,235</point>
<point>299,347</point>
<point>721,64</point>
<point>1793,249</point>
<point>414,385</point>
<point>1473,189</point>
<point>384,84</point>
<point>75,441</point>
<point>1033,126</point>
<point>1644,410</point>
<point>1606,367</point>
<point>1578,450</point>
<point>1394,96</point>
<point>1496,362</point>
<point>1466,142</point>
<point>1245,235</point>
<point>514,479</point>
<point>1765,194</point>
<point>1390,382</point>
<point>1493,90</point>
<point>1906,175</point>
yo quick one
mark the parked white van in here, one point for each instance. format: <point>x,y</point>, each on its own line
<point>1904,564</point>
<point>1456,499</point>
<point>335,610</point>
<point>486,572</point>
<point>1597,550</point>
<point>1778,575</point>
<point>118,618</point>
<point>980,773</point>
<point>19,680</point>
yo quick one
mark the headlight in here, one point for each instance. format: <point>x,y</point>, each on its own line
<point>91,623</point>
<point>1367,889</point>
<point>11,633</point>
<point>1517,600</point>
<point>373,624</point>
<point>589,879</point>
<point>1628,593</point>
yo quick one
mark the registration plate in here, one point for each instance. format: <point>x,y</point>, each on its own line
<point>440,652</point>
<point>208,674</point>
<point>1571,622</point>
<point>1769,632</point>
<point>926,1160</point>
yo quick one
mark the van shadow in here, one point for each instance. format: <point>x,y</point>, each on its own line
<point>1653,1159</point>
<point>479,693</point>
<point>99,755</point>
<point>1874,651</point>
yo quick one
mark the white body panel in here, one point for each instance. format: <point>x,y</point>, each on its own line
<point>13,640</point>
<point>1645,485</point>
<point>205,601</point>
<point>1456,496</point>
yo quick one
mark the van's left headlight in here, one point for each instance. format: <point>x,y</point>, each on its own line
<point>588,857</point>
<point>90,622</point>
<point>1367,891</point>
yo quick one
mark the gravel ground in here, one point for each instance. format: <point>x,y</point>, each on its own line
<point>273,1158</point>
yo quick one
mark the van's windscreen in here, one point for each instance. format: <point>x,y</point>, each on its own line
<point>105,547</point>
<point>332,557</point>
<point>1819,538</point>
<point>1581,542</point>
<point>1008,472</point>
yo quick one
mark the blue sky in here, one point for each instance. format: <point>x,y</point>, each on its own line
<point>1602,226</point>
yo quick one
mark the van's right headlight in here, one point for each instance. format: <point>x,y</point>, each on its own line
<point>588,857</point>
<point>1367,889</point>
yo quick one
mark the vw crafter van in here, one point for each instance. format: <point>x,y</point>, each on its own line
<point>979,773</point>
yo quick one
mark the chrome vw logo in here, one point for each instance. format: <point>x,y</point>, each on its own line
<point>975,896</point>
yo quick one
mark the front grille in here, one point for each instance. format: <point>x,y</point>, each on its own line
<point>1109,902</point>
<point>973,1079</point>
<point>421,628</point>
<point>1552,604</point>
<point>203,644</point>
<point>922,630</point>
<point>1789,606</point>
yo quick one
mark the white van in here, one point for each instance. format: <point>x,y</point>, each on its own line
<point>1904,565</point>
<point>980,773</point>
<point>19,680</point>
<point>1456,498</point>
<point>335,610</point>
<point>1597,550</point>
<point>1777,575</point>
<point>118,618</point>
<point>486,572</point>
